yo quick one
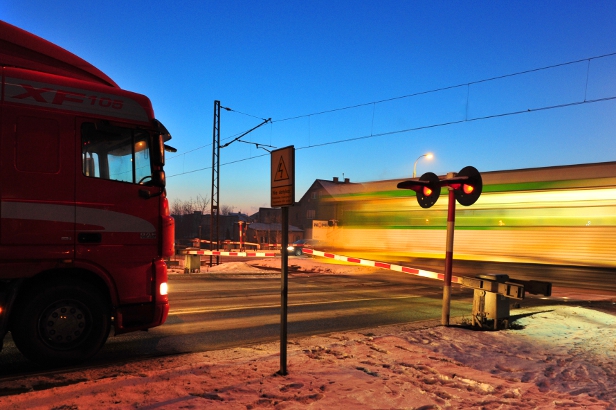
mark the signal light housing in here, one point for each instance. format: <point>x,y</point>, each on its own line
<point>470,189</point>
<point>427,188</point>
<point>429,193</point>
<point>466,184</point>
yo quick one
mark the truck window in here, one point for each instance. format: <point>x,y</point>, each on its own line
<point>115,153</point>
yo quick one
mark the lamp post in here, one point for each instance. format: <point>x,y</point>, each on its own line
<point>428,155</point>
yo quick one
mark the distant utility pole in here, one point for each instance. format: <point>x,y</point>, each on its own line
<point>215,203</point>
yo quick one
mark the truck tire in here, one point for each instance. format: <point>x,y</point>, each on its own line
<point>61,324</point>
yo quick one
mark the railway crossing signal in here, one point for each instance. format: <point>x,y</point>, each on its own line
<point>468,190</point>
<point>466,185</point>
<point>428,189</point>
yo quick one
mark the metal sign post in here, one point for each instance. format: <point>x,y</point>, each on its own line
<point>284,292</point>
<point>283,195</point>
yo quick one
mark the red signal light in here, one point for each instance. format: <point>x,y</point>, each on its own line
<point>467,192</point>
<point>466,186</point>
<point>427,189</point>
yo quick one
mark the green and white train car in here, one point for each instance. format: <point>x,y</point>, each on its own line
<point>562,215</point>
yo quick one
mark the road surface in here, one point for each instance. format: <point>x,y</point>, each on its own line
<point>214,311</point>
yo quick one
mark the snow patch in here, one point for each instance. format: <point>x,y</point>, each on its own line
<point>562,356</point>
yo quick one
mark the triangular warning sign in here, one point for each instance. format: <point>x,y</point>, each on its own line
<point>281,171</point>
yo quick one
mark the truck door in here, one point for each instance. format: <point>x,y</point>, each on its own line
<point>116,225</point>
<point>37,149</point>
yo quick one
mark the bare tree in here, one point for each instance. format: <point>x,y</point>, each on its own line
<point>226,210</point>
<point>202,203</point>
<point>189,206</point>
<point>176,207</point>
<point>181,207</point>
<point>194,225</point>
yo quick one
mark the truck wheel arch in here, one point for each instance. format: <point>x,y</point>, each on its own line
<point>62,321</point>
<point>51,277</point>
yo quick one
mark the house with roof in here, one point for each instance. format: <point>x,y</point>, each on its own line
<point>269,235</point>
<point>265,229</point>
<point>320,206</point>
<point>194,225</point>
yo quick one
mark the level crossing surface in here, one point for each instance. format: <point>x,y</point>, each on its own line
<point>214,311</point>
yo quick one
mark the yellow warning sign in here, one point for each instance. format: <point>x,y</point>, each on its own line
<point>281,171</point>
<point>283,177</point>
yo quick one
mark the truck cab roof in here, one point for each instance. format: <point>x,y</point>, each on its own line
<point>19,48</point>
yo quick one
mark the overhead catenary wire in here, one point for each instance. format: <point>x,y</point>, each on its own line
<point>224,139</point>
<point>423,127</point>
<point>248,115</point>
<point>443,124</point>
<point>435,90</point>
<point>429,126</point>
<point>265,121</point>
<point>468,84</point>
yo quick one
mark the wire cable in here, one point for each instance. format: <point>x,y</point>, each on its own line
<point>423,127</point>
<point>533,70</point>
<point>373,103</point>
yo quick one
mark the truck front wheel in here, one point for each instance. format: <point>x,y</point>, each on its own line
<point>61,324</point>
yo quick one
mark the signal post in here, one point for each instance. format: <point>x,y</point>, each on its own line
<point>451,222</point>
<point>464,187</point>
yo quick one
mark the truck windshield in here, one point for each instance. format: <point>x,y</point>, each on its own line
<point>116,153</point>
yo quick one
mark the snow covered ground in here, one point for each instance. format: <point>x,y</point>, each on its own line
<point>560,356</point>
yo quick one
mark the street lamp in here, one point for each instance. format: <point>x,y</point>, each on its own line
<point>428,155</point>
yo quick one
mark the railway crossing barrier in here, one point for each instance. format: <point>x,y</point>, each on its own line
<point>192,258</point>
<point>491,298</point>
<point>492,293</point>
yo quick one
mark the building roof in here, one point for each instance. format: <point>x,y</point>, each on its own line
<point>335,188</point>
<point>338,188</point>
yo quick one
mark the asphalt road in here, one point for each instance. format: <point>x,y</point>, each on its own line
<point>217,311</point>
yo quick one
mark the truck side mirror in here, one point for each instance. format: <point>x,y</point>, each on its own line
<point>159,179</point>
<point>158,151</point>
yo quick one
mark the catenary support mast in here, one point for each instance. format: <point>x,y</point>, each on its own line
<point>214,214</point>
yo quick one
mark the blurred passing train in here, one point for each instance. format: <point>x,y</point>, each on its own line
<point>562,215</point>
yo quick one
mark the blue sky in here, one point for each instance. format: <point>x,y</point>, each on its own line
<point>287,59</point>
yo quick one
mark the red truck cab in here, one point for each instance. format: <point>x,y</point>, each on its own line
<point>85,223</point>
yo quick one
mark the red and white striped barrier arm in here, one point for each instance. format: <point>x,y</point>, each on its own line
<point>382,265</point>
<point>219,253</point>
